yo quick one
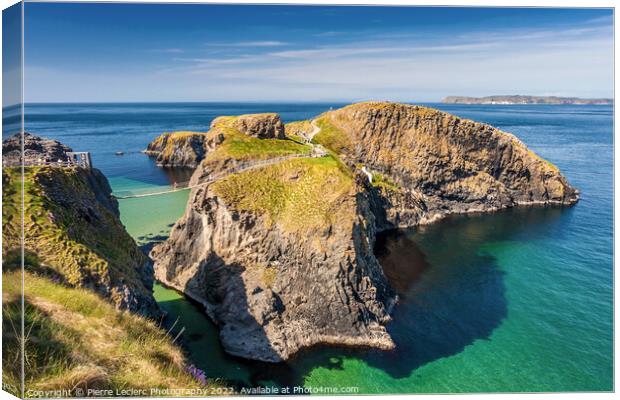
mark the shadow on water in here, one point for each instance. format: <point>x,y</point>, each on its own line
<point>451,291</point>
<point>141,168</point>
<point>178,175</point>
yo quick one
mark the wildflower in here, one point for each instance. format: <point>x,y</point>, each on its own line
<point>197,373</point>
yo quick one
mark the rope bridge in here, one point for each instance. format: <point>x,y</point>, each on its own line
<point>211,178</point>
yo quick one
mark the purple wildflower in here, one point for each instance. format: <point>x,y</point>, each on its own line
<point>198,374</point>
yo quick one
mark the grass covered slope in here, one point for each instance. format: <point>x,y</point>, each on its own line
<point>74,339</point>
<point>241,147</point>
<point>72,229</point>
<point>292,193</point>
<point>332,137</point>
<point>90,319</point>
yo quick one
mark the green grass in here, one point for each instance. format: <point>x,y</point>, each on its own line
<point>293,193</point>
<point>242,147</point>
<point>296,130</point>
<point>77,236</point>
<point>76,339</point>
<point>383,182</point>
<point>331,137</point>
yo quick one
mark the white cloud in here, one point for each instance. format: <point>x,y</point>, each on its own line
<point>258,43</point>
<point>167,51</point>
<point>575,61</point>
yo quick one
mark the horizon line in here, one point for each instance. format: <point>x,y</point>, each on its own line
<point>292,101</point>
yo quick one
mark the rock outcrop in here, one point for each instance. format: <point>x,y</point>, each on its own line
<point>262,126</point>
<point>441,164</point>
<point>277,278</point>
<point>72,229</point>
<point>178,149</point>
<point>36,150</point>
<point>282,256</point>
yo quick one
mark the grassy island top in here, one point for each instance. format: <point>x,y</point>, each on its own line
<point>235,145</point>
<point>239,146</point>
<point>300,194</point>
<point>228,119</point>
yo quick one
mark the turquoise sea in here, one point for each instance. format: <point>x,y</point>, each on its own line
<point>520,300</point>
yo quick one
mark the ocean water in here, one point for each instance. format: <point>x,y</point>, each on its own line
<point>520,300</point>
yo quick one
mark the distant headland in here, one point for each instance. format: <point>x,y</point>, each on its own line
<point>519,99</point>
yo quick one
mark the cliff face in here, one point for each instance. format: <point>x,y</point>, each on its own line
<point>72,229</point>
<point>261,126</point>
<point>274,285</point>
<point>282,255</point>
<point>178,149</point>
<point>441,164</point>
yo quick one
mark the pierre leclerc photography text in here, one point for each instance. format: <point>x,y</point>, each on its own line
<point>226,199</point>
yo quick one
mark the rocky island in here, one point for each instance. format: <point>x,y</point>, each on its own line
<point>187,149</point>
<point>277,238</point>
<point>519,99</point>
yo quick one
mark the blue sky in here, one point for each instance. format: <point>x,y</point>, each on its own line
<point>11,55</point>
<point>182,52</point>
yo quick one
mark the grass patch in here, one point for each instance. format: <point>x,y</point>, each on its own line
<point>161,142</point>
<point>384,182</point>
<point>298,194</point>
<point>331,137</point>
<point>242,147</point>
<point>269,276</point>
<point>75,339</point>
<point>184,134</point>
<point>298,130</point>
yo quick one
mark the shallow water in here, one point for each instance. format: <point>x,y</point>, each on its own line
<point>515,301</point>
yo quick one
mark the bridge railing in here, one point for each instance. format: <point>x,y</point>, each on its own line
<point>57,164</point>
<point>240,167</point>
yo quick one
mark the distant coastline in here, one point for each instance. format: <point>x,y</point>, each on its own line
<point>519,99</point>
